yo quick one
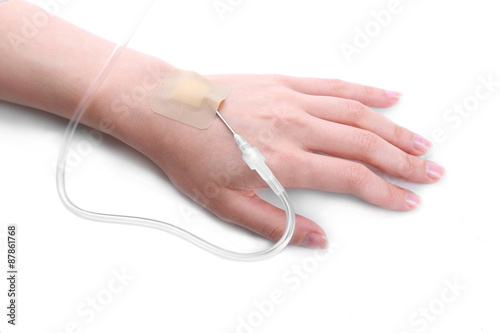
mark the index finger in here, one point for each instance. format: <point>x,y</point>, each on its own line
<point>370,96</point>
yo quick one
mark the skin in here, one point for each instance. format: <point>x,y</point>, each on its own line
<point>289,119</point>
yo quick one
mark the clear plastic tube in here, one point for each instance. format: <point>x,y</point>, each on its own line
<point>150,223</point>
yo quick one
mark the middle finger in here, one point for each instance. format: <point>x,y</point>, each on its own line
<point>362,145</point>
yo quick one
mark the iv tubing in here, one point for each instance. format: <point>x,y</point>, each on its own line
<point>251,155</point>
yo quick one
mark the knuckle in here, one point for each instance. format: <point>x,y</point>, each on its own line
<point>356,177</point>
<point>295,119</point>
<point>279,78</point>
<point>365,141</point>
<point>273,232</point>
<point>398,132</point>
<point>277,95</point>
<point>369,91</point>
<point>335,84</point>
<point>289,119</point>
<point>276,113</point>
<point>357,110</point>
<point>407,166</point>
<point>392,194</point>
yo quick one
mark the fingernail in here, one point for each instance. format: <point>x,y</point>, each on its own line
<point>315,241</point>
<point>435,171</point>
<point>393,94</point>
<point>421,143</point>
<point>412,200</point>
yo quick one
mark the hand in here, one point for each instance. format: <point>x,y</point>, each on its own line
<point>289,120</point>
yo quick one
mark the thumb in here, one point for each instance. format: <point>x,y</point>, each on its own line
<point>246,209</point>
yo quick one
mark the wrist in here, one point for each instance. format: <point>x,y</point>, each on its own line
<point>121,106</point>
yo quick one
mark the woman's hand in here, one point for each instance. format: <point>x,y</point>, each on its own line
<point>296,123</point>
<point>311,132</point>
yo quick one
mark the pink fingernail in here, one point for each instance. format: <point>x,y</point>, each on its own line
<point>435,171</point>
<point>421,143</point>
<point>315,241</point>
<point>393,94</point>
<point>412,200</point>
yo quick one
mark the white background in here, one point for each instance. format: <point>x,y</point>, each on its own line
<point>386,266</point>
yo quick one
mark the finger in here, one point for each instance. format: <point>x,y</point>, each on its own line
<point>354,113</point>
<point>367,95</point>
<point>338,175</point>
<point>246,209</point>
<point>361,145</point>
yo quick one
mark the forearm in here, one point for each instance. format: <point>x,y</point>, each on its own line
<point>52,71</point>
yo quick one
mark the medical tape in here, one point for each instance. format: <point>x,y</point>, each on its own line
<point>189,98</point>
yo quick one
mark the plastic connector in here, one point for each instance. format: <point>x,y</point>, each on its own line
<point>256,161</point>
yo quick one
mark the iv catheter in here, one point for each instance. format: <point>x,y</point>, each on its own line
<point>251,155</point>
